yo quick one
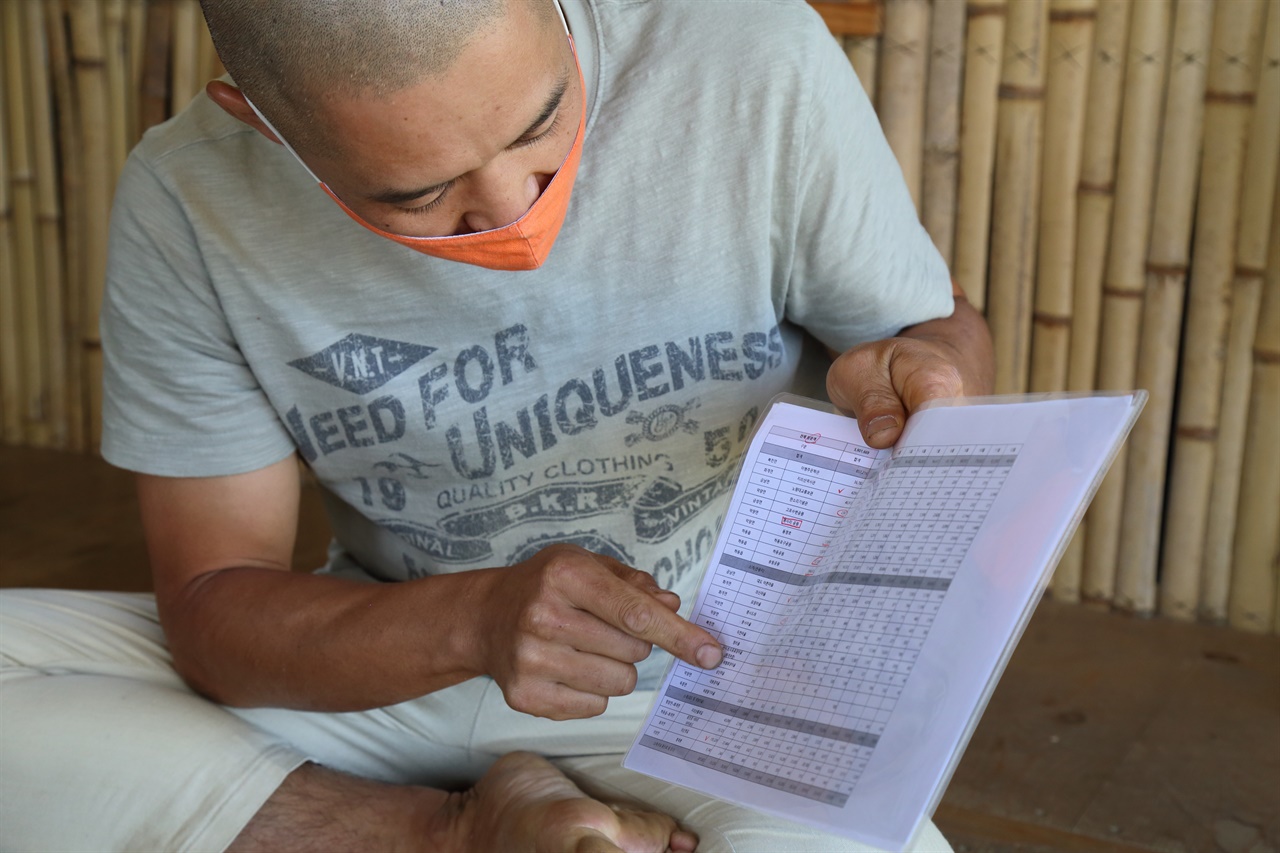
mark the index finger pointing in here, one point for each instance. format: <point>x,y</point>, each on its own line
<point>645,617</point>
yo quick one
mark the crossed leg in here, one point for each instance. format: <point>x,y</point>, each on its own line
<point>107,749</point>
<point>522,804</point>
<point>103,747</point>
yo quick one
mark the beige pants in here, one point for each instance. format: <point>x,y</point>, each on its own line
<point>103,747</point>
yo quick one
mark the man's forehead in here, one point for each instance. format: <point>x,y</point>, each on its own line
<point>501,71</point>
<point>448,123</point>
<point>370,47</point>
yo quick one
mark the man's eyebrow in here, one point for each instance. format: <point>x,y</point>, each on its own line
<point>394,196</point>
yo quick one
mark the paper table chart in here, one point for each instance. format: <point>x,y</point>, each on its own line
<point>869,601</point>
<point>816,659</point>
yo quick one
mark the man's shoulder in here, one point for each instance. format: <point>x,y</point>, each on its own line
<point>205,157</point>
<point>771,24</point>
<point>715,60</point>
<point>202,125</point>
<point>694,9</point>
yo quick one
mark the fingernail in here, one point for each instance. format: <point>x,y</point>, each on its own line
<point>880,424</point>
<point>708,657</point>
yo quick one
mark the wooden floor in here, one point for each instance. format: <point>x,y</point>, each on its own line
<point>1107,733</point>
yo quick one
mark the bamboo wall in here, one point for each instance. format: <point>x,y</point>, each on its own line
<point>1101,175</point>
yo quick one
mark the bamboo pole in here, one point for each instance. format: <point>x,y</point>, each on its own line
<point>1071,42</point>
<point>1125,276</point>
<point>115,38</point>
<point>72,179</point>
<point>1017,192</point>
<point>26,258</point>
<point>984,50</point>
<point>208,65</point>
<point>905,45</point>
<point>184,70</point>
<point>1071,25</point>
<point>1262,160</point>
<point>864,53</point>
<point>1096,190</point>
<point>10,362</point>
<point>95,198</point>
<point>1228,106</point>
<point>1253,604</point>
<point>942,124</point>
<point>1162,306</point>
<point>153,104</point>
<point>1094,197</point>
<point>136,13</point>
<point>49,223</point>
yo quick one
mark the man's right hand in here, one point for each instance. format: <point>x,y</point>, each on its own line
<point>565,628</point>
<point>560,632</point>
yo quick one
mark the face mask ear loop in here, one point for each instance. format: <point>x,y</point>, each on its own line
<point>563,22</point>
<point>271,127</point>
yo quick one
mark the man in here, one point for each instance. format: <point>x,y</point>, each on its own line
<point>524,417</point>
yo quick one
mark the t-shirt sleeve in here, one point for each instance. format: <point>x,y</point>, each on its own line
<point>179,398</point>
<point>864,267</point>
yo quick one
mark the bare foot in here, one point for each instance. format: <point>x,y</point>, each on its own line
<point>525,805</point>
<point>522,805</point>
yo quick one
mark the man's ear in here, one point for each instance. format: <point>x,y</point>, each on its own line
<point>232,100</point>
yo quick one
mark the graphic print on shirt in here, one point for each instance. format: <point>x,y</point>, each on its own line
<point>463,468</point>
<point>414,468</point>
<point>591,540</point>
<point>360,363</point>
<point>662,422</point>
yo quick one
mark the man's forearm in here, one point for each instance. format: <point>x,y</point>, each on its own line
<point>261,637</point>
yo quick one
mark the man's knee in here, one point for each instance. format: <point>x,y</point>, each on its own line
<point>73,631</point>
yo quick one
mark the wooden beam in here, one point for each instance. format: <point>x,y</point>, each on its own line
<point>850,17</point>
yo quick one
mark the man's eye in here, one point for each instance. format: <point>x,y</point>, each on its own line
<point>429,206</point>
<point>533,140</point>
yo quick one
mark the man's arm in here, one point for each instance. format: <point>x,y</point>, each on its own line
<point>560,632</point>
<point>882,382</point>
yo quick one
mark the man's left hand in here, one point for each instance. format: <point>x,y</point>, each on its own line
<point>882,382</point>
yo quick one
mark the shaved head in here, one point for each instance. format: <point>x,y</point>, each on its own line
<point>287,55</point>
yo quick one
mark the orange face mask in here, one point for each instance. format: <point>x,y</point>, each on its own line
<point>522,245</point>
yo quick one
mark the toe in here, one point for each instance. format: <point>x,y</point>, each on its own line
<point>652,832</point>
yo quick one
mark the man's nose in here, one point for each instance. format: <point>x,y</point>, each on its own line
<point>497,200</point>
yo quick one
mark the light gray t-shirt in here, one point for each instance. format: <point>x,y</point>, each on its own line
<point>734,187</point>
